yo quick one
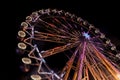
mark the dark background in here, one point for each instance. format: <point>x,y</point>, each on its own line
<point>104,15</point>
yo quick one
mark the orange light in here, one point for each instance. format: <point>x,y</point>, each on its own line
<point>118,76</point>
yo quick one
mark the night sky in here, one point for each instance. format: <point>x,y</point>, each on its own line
<point>104,15</point>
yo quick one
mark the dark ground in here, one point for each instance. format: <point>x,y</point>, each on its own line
<point>104,15</point>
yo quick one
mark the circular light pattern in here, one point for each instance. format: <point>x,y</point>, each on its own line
<point>35,77</point>
<point>26,60</point>
<point>79,19</point>
<point>21,33</point>
<point>24,24</point>
<point>97,30</point>
<point>85,22</point>
<point>118,55</point>
<point>102,36</point>
<point>113,48</point>
<point>34,14</point>
<point>91,26</point>
<point>22,45</point>
<point>107,41</point>
<point>28,18</point>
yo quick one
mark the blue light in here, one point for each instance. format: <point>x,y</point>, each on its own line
<point>86,35</point>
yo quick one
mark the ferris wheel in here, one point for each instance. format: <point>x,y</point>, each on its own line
<point>58,45</point>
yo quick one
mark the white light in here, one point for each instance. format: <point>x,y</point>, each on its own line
<point>36,77</point>
<point>113,48</point>
<point>42,51</point>
<point>22,45</point>
<point>21,33</point>
<point>102,35</point>
<point>108,41</point>
<point>118,76</point>
<point>34,14</point>
<point>118,55</point>
<point>43,60</point>
<point>86,35</point>
<point>24,24</point>
<point>97,31</point>
<point>91,26</point>
<point>26,60</point>
<point>28,18</point>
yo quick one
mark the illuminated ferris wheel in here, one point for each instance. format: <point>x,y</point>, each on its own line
<point>50,33</point>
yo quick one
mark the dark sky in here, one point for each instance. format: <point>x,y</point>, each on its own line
<point>104,15</point>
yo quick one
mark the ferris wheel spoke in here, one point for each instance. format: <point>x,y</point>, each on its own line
<point>97,66</point>
<point>53,38</point>
<point>59,49</point>
<point>68,24</point>
<point>67,27</point>
<point>67,68</point>
<point>62,24</point>
<point>73,27</point>
<point>52,28</point>
<point>90,69</point>
<point>79,67</point>
<point>111,69</point>
<point>85,73</point>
